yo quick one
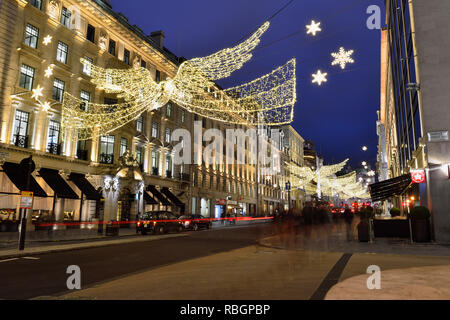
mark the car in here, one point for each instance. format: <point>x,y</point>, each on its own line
<point>158,222</point>
<point>195,222</point>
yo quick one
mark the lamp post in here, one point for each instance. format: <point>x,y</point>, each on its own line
<point>288,188</point>
<point>27,165</point>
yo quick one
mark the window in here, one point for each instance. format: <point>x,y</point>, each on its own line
<point>140,124</point>
<point>169,167</point>
<point>155,162</point>
<point>168,135</point>
<point>82,152</point>
<point>183,116</point>
<point>31,36</point>
<point>61,52</point>
<point>21,121</point>
<point>112,47</point>
<point>65,17</point>
<point>54,129</point>
<point>107,149</point>
<point>90,34</point>
<point>143,64</point>
<point>26,77</point>
<point>169,110</point>
<point>87,66</point>
<point>155,130</point>
<point>126,56</point>
<point>158,76</point>
<point>58,90</point>
<point>123,146</point>
<point>86,98</point>
<point>36,3</point>
<point>139,155</point>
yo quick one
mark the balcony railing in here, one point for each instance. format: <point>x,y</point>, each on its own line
<point>54,148</point>
<point>20,141</point>
<point>106,158</point>
<point>82,155</point>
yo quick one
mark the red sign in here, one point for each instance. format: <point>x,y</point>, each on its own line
<point>418,176</point>
<point>221,202</point>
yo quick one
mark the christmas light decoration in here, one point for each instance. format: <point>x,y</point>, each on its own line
<point>37,93</point>
<point>319,77</point>
<point>46,106</point>
<point>49,71</point>
<point>342,58</point>
<point>47,40</point>
<point>268,100</point>
<point>313,28</point>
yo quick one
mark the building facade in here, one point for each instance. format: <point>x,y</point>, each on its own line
<point>415,53</point>
<point>131,170</point>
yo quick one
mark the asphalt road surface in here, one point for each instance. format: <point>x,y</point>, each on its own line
<point>45,275</point>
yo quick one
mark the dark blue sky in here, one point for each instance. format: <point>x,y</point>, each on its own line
<point>340,117</point>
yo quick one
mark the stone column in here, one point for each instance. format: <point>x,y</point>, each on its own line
<point>34,127</point>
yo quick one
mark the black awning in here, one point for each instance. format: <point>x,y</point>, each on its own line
<point>149,199</point>
<point>19,178</point>
<point>85,186</point>
<point>163,200</point>
<point>390,188</point>
<point>172,197</point>
<point>58,184</point>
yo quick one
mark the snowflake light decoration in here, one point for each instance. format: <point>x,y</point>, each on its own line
<point>313,28</point>
<point>319,77</point>
<point>342,58</point>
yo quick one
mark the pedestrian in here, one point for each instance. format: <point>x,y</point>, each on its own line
<point>348,217</point>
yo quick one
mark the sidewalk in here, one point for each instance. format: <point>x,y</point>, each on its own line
<point>125,236</point>
<point>425,283</point>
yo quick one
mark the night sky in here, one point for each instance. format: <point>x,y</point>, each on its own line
<point>340,116</point>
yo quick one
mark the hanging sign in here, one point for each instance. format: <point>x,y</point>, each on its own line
<point>418,176</point>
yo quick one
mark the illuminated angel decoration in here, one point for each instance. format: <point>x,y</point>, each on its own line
<point>268,100</point>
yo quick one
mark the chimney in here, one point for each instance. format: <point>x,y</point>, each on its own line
<point>158,38</point>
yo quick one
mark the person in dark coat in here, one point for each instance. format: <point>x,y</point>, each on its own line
<point>348,217</point>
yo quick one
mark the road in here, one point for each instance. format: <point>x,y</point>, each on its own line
<point>250,262</point>
<point>26,278</point>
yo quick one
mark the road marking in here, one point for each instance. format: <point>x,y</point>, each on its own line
<point>30,258</point>
<point>12,259</point>
<point>332,278</point>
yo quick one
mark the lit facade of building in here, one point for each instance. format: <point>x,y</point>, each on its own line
<point>114,177</point>
<point>413,102</point>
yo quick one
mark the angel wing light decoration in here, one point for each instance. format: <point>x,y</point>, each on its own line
<point>268,100</point>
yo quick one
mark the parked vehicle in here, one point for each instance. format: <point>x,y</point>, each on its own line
<point>195,222</point>
<point>159,222</point>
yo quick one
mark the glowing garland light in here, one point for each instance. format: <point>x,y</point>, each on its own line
<point>342,58</point>
<point>268,100</point>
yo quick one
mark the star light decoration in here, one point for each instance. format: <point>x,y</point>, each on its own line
<point>37,93</point>
<point>49,71</point>
<point>47,40</point>
<point>342,58</point>
<point>313,28</point>
<point>319,77</point>
<point>46,106</point>
<point>268,100</point>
